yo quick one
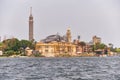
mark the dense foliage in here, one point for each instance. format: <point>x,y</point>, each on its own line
<point>99,46</point>
<point>117,50</point>
<point>82,44</point>
<point>11,46</point>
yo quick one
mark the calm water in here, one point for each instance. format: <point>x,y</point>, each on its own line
<point>93,68</point>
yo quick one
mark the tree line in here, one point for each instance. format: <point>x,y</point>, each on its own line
<point>15,46</point>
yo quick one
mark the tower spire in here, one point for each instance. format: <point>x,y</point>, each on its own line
<point>31,25</point>
<point>30,11</point>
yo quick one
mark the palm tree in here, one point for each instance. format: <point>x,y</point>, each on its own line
<point>82,44</point>
<point>111,46</point>
<point>79,37</point>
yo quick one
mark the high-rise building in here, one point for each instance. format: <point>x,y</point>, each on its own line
<point>31,25</point>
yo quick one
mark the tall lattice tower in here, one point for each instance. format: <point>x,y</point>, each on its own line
<point>31,25</point>
<point>68,35</point>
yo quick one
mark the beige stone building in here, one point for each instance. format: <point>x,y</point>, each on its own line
<point>96,40</point>
<point>55,48</point>
<point>55,45</point>
<point>28,51</point>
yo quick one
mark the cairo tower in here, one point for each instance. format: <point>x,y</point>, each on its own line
<point>31,26</point>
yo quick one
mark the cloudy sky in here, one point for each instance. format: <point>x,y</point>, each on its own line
<point>85,18</point>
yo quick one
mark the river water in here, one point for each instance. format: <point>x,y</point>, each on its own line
<point>76,68</point>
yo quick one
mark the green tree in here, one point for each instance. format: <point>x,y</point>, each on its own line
<point>111,47</point>
<point>11,44</point>
<point>117,50</point>
<point>1,45</point>
<point>82,44</point>
<point>26,43</point>
<point>99,46</point>
<point>14,46</point>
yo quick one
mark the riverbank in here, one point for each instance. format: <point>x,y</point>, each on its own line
<point>65,55</point>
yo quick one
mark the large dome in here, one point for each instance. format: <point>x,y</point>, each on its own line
<point>56,38</point>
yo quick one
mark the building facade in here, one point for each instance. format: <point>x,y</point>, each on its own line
<point>96,40</point>
<point>54,45</point>
<point>55,48</point>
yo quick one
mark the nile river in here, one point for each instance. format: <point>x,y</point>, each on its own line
<point>80,68</point>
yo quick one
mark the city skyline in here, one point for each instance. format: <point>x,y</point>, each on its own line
<point>85,18</point>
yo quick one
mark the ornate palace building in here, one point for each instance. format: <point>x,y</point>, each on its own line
<point>54,45</point>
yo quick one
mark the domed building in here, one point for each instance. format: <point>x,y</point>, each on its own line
<point>54,45</point>
<point>52,38</point>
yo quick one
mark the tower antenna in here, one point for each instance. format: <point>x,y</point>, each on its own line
<point>30,10</point>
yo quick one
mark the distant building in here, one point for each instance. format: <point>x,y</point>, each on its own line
<point>68,35</point>
<point>88,47</point>
<point>96,40</point>
<point>79,49</point>
<point>1,52</point>
<point>28,51</point>
<point>31,25</point>
<point>55,44</point>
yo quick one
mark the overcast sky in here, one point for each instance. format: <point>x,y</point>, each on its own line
<point>85,18</point>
